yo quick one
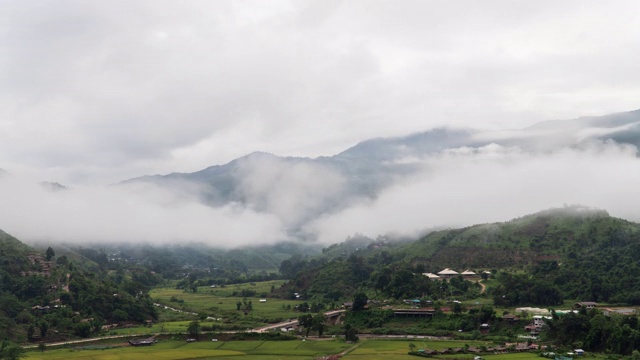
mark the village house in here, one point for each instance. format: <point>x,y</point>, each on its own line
<point>536,324</point>
<point>586,305</point>
<point>448,273</point>
<point>432,276</point>
<point>467,274</point>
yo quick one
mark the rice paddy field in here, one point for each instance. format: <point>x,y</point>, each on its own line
<point>266,350</point>
<point>221,302</point>
<point>170,350</point>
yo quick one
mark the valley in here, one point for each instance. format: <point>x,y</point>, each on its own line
<point>374,289</point>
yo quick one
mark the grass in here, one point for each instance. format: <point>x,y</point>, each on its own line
<point>377,349</point>
<point>219,302</point>
<point>170,350</point>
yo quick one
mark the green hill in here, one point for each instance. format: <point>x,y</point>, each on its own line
<point>549,234</point>
<point>53,298</point>
<point>574,252</point>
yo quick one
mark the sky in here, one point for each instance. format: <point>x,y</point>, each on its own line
<point>96,92</point>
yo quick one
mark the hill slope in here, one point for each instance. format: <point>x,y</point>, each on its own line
<point>584,253</point>
<point>57,295</point>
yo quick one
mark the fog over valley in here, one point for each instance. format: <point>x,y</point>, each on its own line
<point>400,186</point>
<point>238,123</point>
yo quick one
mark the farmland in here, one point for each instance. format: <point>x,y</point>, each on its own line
<point>220,302</point>
<point>266,350</point>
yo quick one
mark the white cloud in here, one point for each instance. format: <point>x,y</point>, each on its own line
<point>97,92</point>
<point>466,186</point>
<point>133,213</point>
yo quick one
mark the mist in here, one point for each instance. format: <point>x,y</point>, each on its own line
<point>456,187</point>
<point>466,186</point>
<point>126,214</point>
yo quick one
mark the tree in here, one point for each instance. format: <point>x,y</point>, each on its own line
<point>50,253</point>
<point>43,325</point>
<point>62,260</point>
<point>350,333</point>
<point>304,307</point>
<point>119,315</point>
<point>457,308</point>
<point>30,331</point>
<point>42,347</point>
<point>247,306</point>
<point>238,305</point>
<point>82,329</point>
<point>360,301</point>
<point>10,351</point>
<point>319,323</point>
<point>194,328</point>
<point>306,321</point>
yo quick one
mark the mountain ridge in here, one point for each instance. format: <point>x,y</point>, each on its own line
<point>278,185</point>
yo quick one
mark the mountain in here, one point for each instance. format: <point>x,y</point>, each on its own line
<point>300,190</point>
<point>581,252</point>
<point>53,186</point>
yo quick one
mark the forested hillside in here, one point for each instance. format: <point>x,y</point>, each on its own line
<point>44,297</point>
<point>568,253</point>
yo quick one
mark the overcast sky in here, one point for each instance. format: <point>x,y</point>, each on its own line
<point>101,91</point>
<point>95,92</point>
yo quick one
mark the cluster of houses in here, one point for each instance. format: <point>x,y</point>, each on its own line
<point>449,273</point>
<point>37,260</point>
<point>499,349</point>
<point>537,323</point>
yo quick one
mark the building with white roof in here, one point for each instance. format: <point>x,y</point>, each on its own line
<point>448,273</point>
<point>432,276</point>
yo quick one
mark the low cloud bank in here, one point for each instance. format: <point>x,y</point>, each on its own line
<point>456,187</point>
<point>141,213</point>
<point>465,186</point>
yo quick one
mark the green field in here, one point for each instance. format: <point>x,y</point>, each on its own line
<point>397,349</point>
<point>170,350</point>
<point>219,303</point>
<point>270,350</point>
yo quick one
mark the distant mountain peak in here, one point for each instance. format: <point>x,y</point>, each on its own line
<point>300,190</point>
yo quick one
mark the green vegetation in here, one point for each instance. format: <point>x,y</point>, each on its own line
<point>214,304</point>
<point>597,253</point>
<point>270,350</point>
<point>538,260</point>
<point>259,350</point>
<point>596,332</point>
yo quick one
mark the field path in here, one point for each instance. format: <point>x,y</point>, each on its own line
<point>343,353</point>
<point>484,288</point>
<point>79,341</point>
